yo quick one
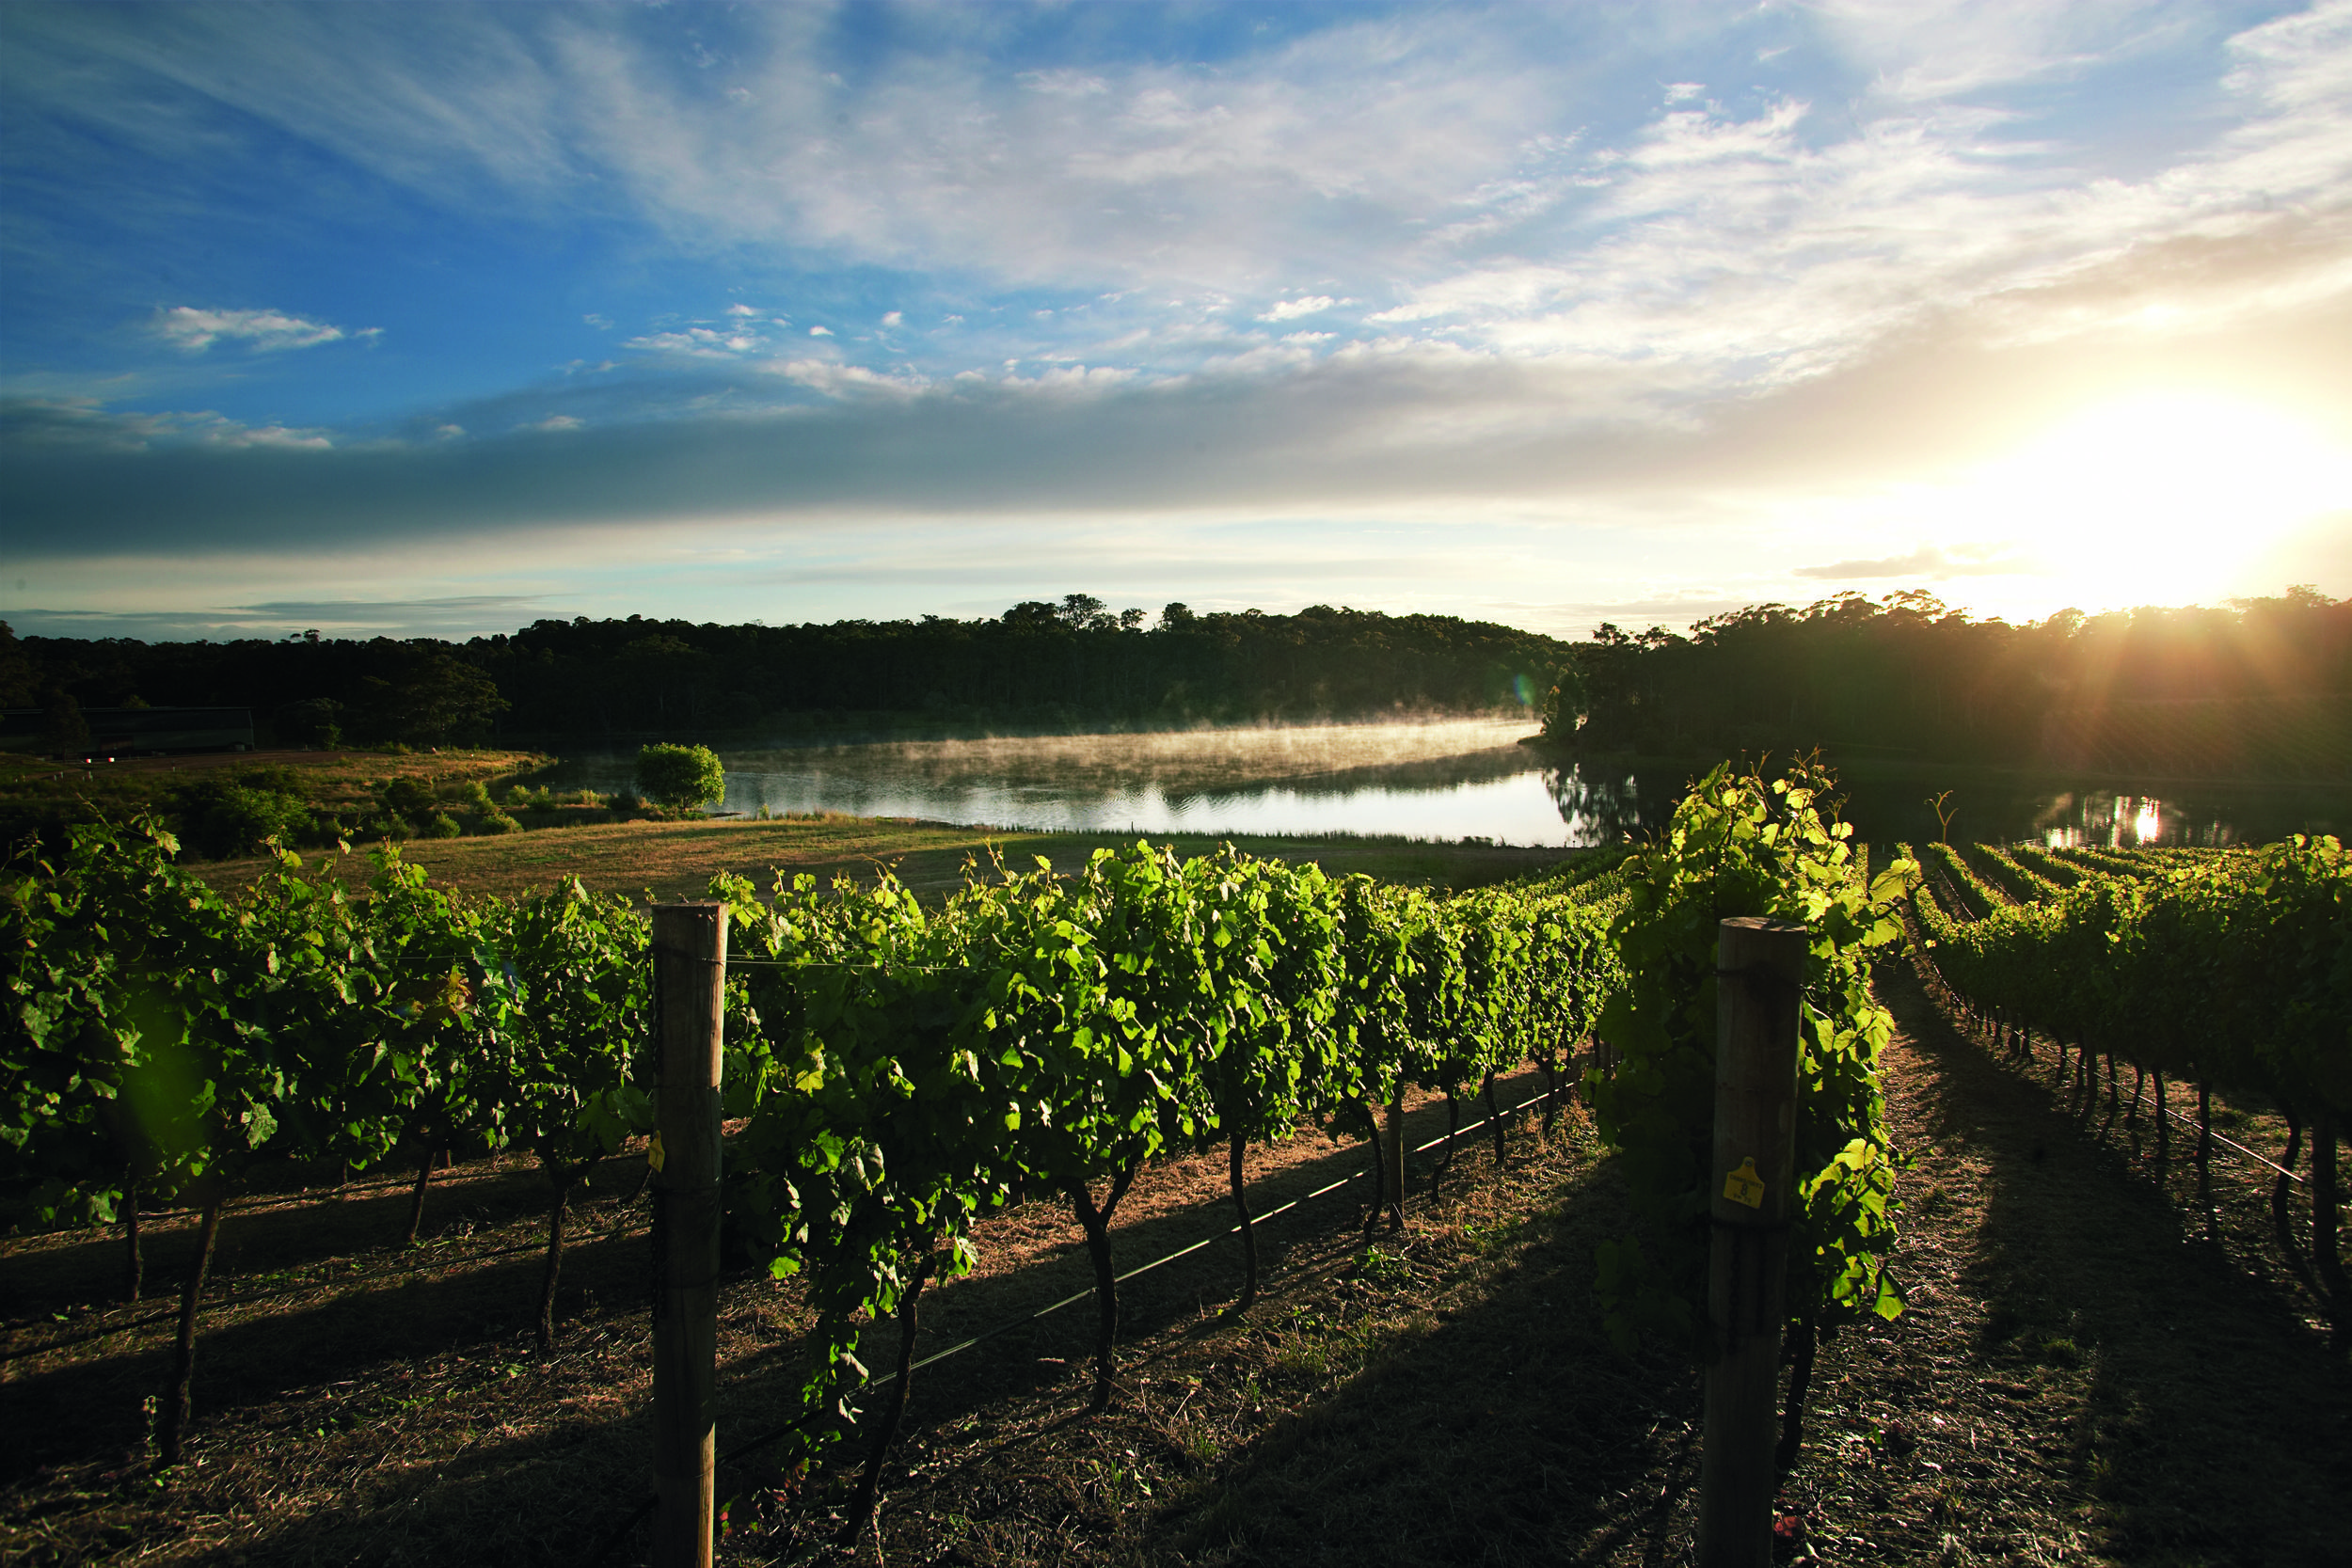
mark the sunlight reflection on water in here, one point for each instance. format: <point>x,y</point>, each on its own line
<point>1513,809</point>
<point>1445,782</point>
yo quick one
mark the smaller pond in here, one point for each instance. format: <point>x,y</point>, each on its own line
<point>1443,781</point>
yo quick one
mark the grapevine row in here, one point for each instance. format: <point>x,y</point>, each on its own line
<point>2226,970</point>
<point>896,1072</point>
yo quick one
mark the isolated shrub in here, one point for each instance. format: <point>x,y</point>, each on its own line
<point>404,797</point>
<point>219,818</point>
<point>681,777</point>
<point>495,821</point>
<point>442,826</point>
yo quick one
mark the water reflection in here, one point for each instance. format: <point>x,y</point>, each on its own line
<point>1448,781</point>
<point>2102,819</point>
<point>1600,804</point>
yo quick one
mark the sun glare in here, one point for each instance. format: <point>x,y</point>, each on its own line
<point>2162,498</point>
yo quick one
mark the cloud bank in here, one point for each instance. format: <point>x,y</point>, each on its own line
<point>1635,271</point>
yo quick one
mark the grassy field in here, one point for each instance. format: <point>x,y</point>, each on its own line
<point>36,790</point>
<point>674,860</point>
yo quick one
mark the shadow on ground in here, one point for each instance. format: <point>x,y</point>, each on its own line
<point>1509,1431</point>
<point>2212,1422</point>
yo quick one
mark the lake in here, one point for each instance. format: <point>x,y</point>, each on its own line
<point>1444,780</point>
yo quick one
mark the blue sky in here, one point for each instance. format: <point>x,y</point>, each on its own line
<point>442,318</point>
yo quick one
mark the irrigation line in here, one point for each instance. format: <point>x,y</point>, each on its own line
<point>1181,1252</point>
<point>461,1170</point>
<point>960,1346</point>
<point>370,1277</point>
<point>2139,1097</point>
<point>261,1202</point>
<point>734,962</point>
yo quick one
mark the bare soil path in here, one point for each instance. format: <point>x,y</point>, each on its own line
<point>2092,1369</point>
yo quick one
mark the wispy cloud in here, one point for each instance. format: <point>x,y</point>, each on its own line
<point>352,610</point>
<point>183,326</point>
<point>458,615</point>
<point>1438,164</point>
<point>34,426</point>
<point>1290,310</point>
<point>708,342</point>
<point>1927,564</point>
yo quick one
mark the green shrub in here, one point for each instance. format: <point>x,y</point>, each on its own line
<point>219,819</point>
<point>442,826</point>
<point>404,797</point>
<point>525,798</point>
<point>681,777</point>
<point>498,822</point>
<point>274,777</point>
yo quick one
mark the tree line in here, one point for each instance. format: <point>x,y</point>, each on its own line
<point>1906,676</point>
<point>1073,660</point>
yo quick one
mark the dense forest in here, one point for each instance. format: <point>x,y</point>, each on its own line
<point>2261,687</point>
<point>1070,662</point>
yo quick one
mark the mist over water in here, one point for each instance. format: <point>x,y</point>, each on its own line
<point>1444,780</point>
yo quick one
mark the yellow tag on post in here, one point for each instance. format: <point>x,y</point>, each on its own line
<point>1745,1185</point>
<point>653,1155</point>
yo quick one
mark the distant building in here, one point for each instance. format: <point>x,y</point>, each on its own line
<point>130,732</point>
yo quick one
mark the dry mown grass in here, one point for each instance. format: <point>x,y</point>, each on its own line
<point>2091,1370</point>
<point>675,859</point>
<point>331,779</point>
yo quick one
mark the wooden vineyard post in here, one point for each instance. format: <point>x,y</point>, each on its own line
<point>1395,1155</point>
<point>1760,978</point>
<point>690,945</point>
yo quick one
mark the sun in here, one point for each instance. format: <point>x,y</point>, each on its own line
<point>2161,498</point>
